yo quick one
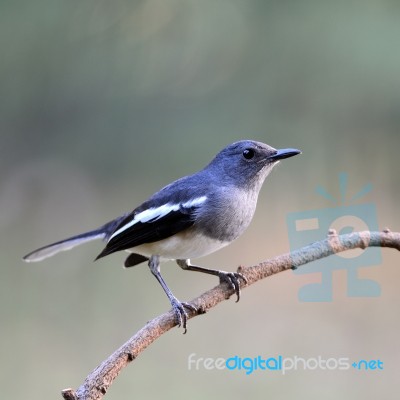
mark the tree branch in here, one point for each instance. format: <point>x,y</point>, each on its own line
<point>97,383</point>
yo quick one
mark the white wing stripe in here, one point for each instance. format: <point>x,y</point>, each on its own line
<point>158,212</point>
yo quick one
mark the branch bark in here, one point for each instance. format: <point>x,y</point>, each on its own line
<point>98,381</point>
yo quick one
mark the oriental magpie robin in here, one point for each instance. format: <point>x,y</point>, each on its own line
<point>189,218</point>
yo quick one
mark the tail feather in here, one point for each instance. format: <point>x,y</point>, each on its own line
<point>62,245</point>
<point>51,249</point>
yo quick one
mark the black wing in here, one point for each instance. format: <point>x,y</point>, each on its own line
<point>150,231</point>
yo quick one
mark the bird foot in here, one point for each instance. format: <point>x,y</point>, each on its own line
<point>180,312</point>
<point>232,278</point>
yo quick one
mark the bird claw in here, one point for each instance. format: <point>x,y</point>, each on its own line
<point>180,312</point>
<point>232,278</point>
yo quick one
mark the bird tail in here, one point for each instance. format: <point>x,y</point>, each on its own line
<point>51,249</point>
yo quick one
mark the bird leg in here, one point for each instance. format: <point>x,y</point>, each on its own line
<point>232,278</point>
<point>177,306</point>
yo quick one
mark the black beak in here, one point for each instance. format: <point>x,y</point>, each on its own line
<point>283,153</point>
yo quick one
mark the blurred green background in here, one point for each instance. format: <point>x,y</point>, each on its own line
<point>103,102</point>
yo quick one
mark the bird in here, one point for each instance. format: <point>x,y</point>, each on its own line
<point>191,217</point>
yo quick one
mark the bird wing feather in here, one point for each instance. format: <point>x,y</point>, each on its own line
<point>134,231</point>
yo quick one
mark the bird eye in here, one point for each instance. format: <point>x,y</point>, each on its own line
<point>248,154</point>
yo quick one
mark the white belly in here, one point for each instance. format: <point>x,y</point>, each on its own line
<point>183,245</point>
